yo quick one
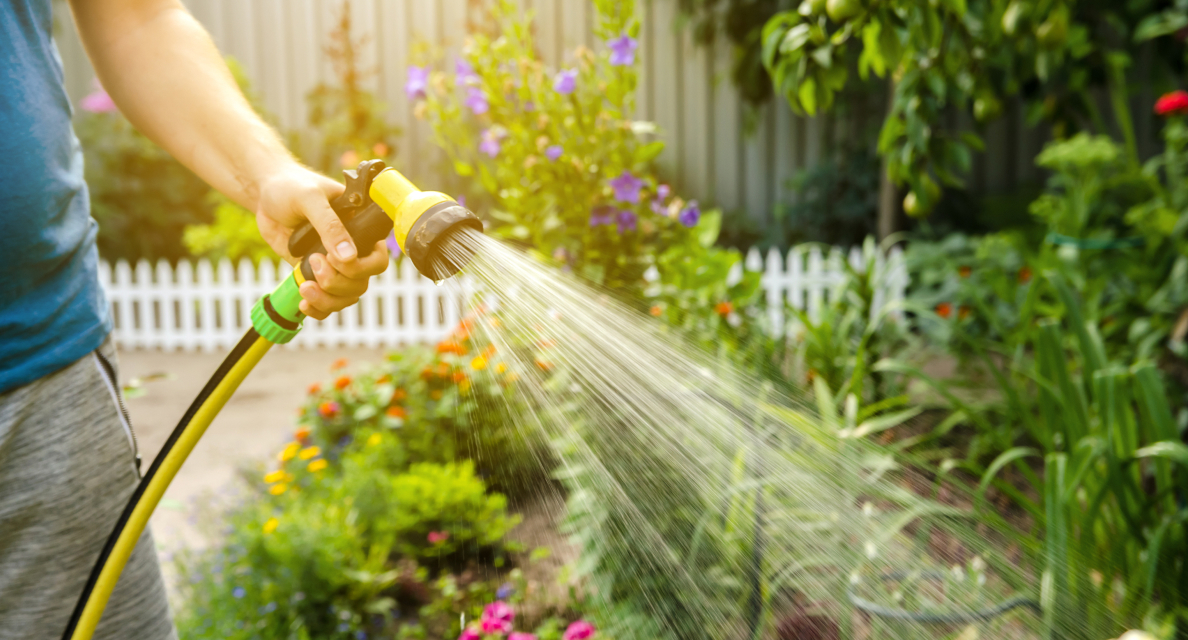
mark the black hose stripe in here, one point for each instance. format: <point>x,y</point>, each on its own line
<point>230,361</point>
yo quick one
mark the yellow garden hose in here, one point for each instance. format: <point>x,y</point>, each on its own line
<point>242,359</point>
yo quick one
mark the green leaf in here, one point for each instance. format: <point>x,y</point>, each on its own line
<point>1168,450</point>
<point>1003,459</point>
<point>709,227</point>
<point>807,95</point>
<point>648,152</point>
<point>463,168</point>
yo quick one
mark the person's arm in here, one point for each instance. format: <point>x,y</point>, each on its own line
<point>162,70</point>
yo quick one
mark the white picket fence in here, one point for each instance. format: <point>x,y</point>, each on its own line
<point>204,306</point>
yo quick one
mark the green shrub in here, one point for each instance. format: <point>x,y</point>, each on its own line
<point>317,553</point>
<point>547,147</point>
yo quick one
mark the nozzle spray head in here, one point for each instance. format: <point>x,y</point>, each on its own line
<point>424,222</point>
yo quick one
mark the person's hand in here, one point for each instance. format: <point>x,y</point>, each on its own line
<point>287,200</point>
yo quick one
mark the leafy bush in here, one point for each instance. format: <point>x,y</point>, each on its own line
<point>329,550</point>
<point>1106,500</point>
<point>445,403</point>
<point>562,164</point>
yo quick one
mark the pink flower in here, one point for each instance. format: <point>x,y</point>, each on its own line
<point>579,630</point>
<point>470,633</point>
<point>521,636</point>
<point>98,101</point>
<point>498,617</point>
<point>438,537</point>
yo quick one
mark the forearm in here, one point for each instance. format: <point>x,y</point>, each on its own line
<point>167,77</point>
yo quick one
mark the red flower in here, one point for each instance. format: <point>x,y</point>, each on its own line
<point>944,310</point>
<point>723,308</point>
<point>342,383</point>
<point>1172,104</point>
<point>964,271</point>
<point>1024,275</point>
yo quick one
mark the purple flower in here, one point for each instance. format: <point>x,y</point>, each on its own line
<point>662,193</point>
<point>602,215</point>
<point>464,73</point>
<point>98,101</point>
<point>417,83</point>
<point>529,106</point>
<point>580,630</point>
<point>476,100</point>
<point>239,592</point>
<point>506,589</point>
<point>626,187</point>
<point>497,617</point>
<point>461,200</point>
<point>565,82</point>
<point>623,50</point>
<point>626,220</point>
<point>393,246</point>
<point>490,144</point>
<point>554,152</point>
<point>690,215</point>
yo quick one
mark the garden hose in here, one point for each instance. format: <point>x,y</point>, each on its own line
<point>946,618</point>
<point>377,201</point>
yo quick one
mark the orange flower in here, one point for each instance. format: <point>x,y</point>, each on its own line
<point>340,363</point>
<point>450,346</point>
<point>944,310</point>
<point>963,312</point>
<point>544,366</point>
<point>342,383</point>
<point>435,394</point>
<point>656,310</point>
<point>724,308</point>
<point>427,373</point>
<point>546,344</point>
<point>329,409</point>
<point>302,434</point>
<point>810,376</point>
<point>397,396</point>
<point>396,412</point>
<point>964,271</point>
<point>458,376</point>
<point>384,379</point>
<point>489,351</point>
<point>1024,275</point>
<point>314,388</point>
<point>443,369</point>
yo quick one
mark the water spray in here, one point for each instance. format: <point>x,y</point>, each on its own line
<point>378,200</point>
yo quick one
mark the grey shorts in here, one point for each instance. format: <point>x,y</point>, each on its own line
<point>67,466</point>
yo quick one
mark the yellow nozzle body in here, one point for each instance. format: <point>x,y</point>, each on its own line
<point>419,218</point>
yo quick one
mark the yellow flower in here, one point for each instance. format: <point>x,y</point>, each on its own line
<point>500,368</point>
<point>308,453</point>
<point>278,489</point>
<point>478,364</point>
<point>271,525</point>
<point>464,386</point>
<point>374,439</point>
<point>317,465</point>
<point>275,476</point>
<point>289,451</point>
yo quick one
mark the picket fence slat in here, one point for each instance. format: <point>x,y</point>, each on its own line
<point>206,307</point>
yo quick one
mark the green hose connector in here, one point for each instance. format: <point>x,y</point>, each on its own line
<point>276,316</point>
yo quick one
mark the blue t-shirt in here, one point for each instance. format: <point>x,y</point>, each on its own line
<point>52,308</point>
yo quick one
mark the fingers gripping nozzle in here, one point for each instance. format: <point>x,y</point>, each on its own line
<point>376,201</point>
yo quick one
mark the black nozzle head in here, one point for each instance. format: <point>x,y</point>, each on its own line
<point>432,231</point>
